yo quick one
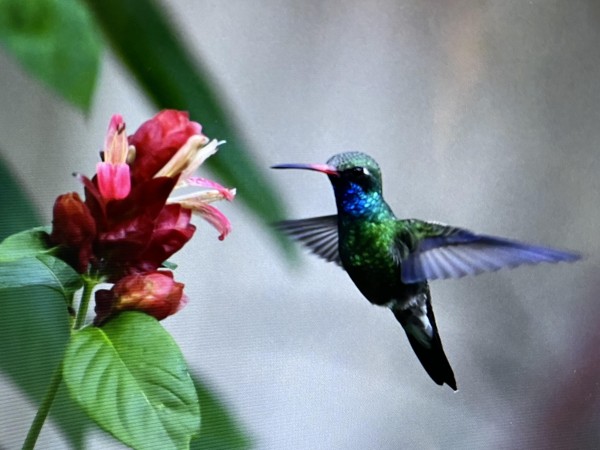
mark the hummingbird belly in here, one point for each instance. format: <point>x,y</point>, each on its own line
<point>366,254</point>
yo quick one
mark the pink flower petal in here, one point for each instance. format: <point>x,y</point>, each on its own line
<point>115,143</point>
<point>114,181</point>
<point>116,121</point>
<point>211,214</point>
<point>227,194</point>
<point>217,219</point>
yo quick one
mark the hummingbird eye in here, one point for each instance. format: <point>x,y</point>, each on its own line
<point>360,171</point>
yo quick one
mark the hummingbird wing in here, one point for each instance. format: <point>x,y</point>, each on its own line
<point>444,251</point>
<point>319,234</point>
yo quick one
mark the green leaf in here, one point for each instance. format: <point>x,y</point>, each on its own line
<point>130,377</point>
<point>56,41</point>
<point>41,270</point>
<point>172,78</point>
<point>219,431</point>
<point>26,243</point>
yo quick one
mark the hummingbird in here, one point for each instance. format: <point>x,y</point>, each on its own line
<point>391,260</point>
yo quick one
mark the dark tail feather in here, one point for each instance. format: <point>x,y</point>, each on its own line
<point>434,361</point>
<point>418,321</point>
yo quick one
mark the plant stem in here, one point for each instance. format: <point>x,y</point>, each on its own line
<point>44,409</point>
<point>88,287</point>
<point>57,376</point>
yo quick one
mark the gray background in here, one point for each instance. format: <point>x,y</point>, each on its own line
<point>482,114</point>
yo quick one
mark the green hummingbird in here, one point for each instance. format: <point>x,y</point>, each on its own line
<point>391,260</point>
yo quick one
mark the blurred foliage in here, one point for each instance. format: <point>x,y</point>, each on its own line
<point>56,41</point>
<point>18,212</point>
<point>218,430</point>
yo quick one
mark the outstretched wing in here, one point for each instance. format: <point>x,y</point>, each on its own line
<point>319,234</point>
<point>449,252</point>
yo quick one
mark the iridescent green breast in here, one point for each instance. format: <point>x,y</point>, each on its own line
<point>367,253</point>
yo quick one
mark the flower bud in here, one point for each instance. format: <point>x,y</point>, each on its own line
<point>73,227</point>
<point>155,293</point>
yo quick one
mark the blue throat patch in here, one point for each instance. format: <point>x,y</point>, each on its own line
<point>357,203</point>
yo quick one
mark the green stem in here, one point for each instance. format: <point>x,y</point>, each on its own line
<point>88,288</point>
<point>55,381</point>
<point>44,409</point>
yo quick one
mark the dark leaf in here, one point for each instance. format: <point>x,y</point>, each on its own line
<point>26,243</point>
<point>41,270</point>
<point>56,41</point>
<point>219,430</point>
<point>18,212</point>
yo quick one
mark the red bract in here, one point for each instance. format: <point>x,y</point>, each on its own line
<point>155,293</point>
<point>130,228</point>
<point>158,139</point>
<point>171,231</point>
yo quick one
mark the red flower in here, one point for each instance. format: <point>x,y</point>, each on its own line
<point>128,223</point>
<point>155,293</point>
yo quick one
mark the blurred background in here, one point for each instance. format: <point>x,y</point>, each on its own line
<point>481,114</point>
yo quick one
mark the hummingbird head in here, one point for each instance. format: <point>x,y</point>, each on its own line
<point>356,180</point>
<point>346,169</point>
<point>355,170</point>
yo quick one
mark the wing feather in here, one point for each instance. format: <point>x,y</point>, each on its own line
<point>318,234</point>
<point>449,252</point>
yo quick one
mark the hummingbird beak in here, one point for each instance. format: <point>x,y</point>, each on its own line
<point>323,168</point>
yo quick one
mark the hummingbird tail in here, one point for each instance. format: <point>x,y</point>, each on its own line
<point>417,319</point>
